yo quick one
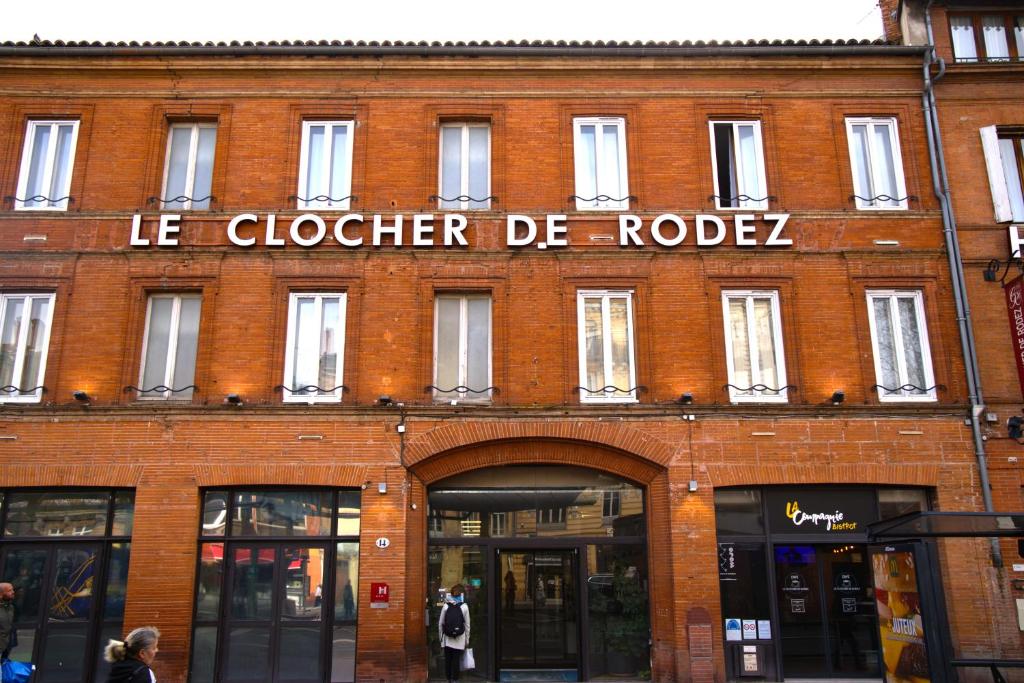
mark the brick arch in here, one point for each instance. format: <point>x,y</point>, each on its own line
<point>618,437</point>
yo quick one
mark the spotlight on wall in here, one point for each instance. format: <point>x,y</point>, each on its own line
<point>233,399</point>
<point>384,400</point>
<point>1015,427</point>
<point>692,488</point>
<point>80,396</point>
<point>838,397</point>
<point>686,399</point>
<point>382,487</point>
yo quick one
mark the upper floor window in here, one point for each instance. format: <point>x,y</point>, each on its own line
<point>607,369</point>
<point>753,346</point>
<point>46,163</point>
<point>602,180</point>
<point>325,165</point>
<point>611,504</point>
<point>24,339</point>
<point>1004,159</point>
<point>738,165</point>
<point>462,347</point>
<point>188,170</point>
<point>170,346</point>
<point>465,173</point>
<point>877,164</point>
<point>315,351</point>
<point>987,37</point>
<point>899,339</point>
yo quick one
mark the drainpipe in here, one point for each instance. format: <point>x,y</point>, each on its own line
<point>940,185</point>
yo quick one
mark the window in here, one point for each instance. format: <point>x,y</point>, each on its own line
<point>465,172</point>
<point>499,524</point>
<point>462,347</point>
<point>170,345</point>
<point>602,181</point>
<point>550,516</point>
<point>188,170</point>
<point>315,351</point>
<point>435,522</point>
<point>738,165</point>
<point>611,504</point>
<point>985,37</point>
<point>1004,156</point>
<point>877,164</point>
<point>24,339</point>
<point>607,371</point>
<point>753,346</point>
<point>46,163</point>
<point>325,165</point>
<point>903,365</point>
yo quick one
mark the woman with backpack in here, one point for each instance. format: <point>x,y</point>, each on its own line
<point>453,630</point>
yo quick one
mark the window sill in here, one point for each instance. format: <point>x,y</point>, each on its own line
<point>908,399</point>
<point>759,399</point>
<point>883,208</point>
<point>608,401</point>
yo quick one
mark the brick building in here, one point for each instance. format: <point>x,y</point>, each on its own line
<point>296,336</point>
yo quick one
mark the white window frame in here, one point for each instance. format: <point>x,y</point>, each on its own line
<point>498,524</point>
<point>874,169</point>
<point>48,166</point>
<point>172,346</point>
<point>190,169</point>
<point>756,395</point>
<point>611,504</point>
<point>926,357</point>
<point>744,204</point>
<point>464,163</point>
<point>325,164</point>
<point>623,181</point>
<point>463,370</point>
<point>999,183</point>
<point>605,295</point>
<point>289,356</point>
<point>19,354</point>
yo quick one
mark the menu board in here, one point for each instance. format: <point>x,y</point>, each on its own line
<point>900,622</point>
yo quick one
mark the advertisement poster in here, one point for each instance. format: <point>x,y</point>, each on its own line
<point>900,623</point>
<point>1014,290</point>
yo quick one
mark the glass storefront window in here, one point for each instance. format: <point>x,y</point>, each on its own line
<point>529,502</point>
<point>269,602</point>
<point>281,513</point>
<point>55,513</point>
<point>617,619</point>
<point>124,513</point>
<point>447,566</point>
<point>738,512</point>
<point>896,502</point>
<point>743,581</point>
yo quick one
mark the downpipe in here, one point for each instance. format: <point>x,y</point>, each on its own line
<point>940,186</point>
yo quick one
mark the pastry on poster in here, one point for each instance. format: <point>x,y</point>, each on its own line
<point>900,621</point>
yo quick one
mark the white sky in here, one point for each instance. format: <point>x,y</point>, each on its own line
<point>201,20</point>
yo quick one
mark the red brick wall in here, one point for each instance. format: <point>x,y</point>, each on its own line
<point>170,452</point>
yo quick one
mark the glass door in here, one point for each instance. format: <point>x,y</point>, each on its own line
<point>55,603</point>
<point>828,621</point>
<point>274,628</point>
<point>537,619</point>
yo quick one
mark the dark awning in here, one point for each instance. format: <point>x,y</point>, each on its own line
<point>937,524</point>
<point>508,500</point>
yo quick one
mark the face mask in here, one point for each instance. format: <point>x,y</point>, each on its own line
<point>459,598</point>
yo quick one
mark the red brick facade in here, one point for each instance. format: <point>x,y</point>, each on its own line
<point>169,452</point>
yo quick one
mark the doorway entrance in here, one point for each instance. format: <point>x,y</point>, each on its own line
<point>538,614</point>
<point>827,617</point>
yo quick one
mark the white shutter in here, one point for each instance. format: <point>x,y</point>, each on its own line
<point>996,177</point>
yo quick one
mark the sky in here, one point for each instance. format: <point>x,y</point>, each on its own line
<point>202,20</point>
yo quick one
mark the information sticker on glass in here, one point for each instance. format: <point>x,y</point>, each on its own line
<point>764,629</point>
<point>733,630</point>
<point>749,629</point>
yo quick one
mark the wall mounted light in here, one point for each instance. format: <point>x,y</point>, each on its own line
<point>80,396</point>
<point>692,488</point>
<point>838,396</point>
<point>233,399</point>
<point>685,399</point>
<point>382,487</point>
<point>384,400</point>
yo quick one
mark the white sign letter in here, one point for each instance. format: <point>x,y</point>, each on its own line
<point>168,226</point>
<point>233,229</point>
<point>556,227</point>
<point>629,226</point>
<point>702,238</point>
<point>339,230</point>
<point>661,239</point>
<point>422,230</point>
<point>454,224</point>
<point>743,228</point>
<point>272,240</point>
<point>531,231</point>
<point>318,236</point>
<point>138,240</point>
<point>380,229</point>
<point>775,239</point>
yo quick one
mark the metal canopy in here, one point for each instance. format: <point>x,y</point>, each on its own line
<point>951,524</point>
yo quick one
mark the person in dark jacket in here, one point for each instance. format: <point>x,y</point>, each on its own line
<point>132,657</point>
<point>7,634</point>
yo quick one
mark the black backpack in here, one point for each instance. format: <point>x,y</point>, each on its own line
<point>454,621</point>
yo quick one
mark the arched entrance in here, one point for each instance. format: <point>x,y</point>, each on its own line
<point>554,563</point>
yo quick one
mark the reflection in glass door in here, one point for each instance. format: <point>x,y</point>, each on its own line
<point>537,617</point>
<point>827,619</point>
<point>274,628</point>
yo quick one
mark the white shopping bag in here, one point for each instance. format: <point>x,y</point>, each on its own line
<point>467,659</point>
